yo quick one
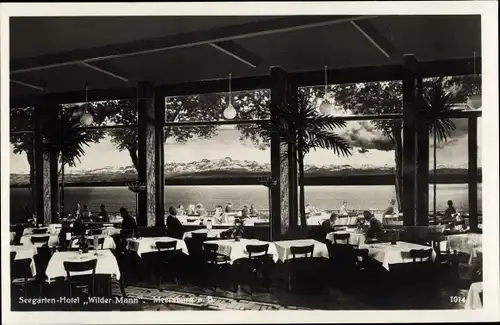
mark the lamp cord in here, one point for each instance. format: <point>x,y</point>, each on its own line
<point>230,88</point>
<point>86,96</point>
<point>326,81</point>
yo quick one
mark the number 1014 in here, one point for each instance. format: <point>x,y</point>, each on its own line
<point>457,299</point>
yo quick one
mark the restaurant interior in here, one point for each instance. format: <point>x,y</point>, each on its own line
<point>144,77</point>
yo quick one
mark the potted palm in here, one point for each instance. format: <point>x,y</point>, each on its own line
<point>305,129</point>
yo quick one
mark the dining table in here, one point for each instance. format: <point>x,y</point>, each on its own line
<point>283,248</point>
<point>388,254</point>
<point>474,300</point>
<point>148,244</point>
<point>356,237</point>
<point>26,252</point>
<point>106,263</point>
<point>236,249</point>
<point>211,233</point>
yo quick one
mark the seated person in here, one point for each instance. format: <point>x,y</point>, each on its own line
<point>174,226</point>
<point>253,211</point>
<point>229,208</point>
<point>219,215</point>
<point>449,214</point>
<point>128,222</point>
<point>238,230</point>
<point>191,211</point>
<point>245,213</point>
<point>86,215</point>
<point>180,210</point>
<point>374,228</point>
<point>102,216</point>
<point>200,210</point>
<point>391,210</point>
<point>343,209</point>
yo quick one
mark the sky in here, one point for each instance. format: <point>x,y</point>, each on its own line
<point>226,143</point>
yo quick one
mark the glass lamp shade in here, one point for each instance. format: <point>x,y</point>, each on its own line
<point>77,113</point>
<point>229,113</point>
<point>86,119</point>
<point>475,101</point>
<point>326,107</point>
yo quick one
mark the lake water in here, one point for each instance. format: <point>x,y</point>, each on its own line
<point>375,197</point>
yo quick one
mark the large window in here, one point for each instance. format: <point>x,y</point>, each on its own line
<point>211,160</point>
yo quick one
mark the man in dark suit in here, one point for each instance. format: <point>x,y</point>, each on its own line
<point>174,227</point>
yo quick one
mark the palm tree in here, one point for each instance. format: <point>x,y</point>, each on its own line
<point>305,129</point>
<point>437,101</point>
<point>64,139</point>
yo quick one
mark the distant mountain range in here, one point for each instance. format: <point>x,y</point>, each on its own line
<point>223,168</point>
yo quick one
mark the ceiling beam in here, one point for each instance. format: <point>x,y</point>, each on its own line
<point>376,38</point>
<point>427,69</point>
<point>217,35</point>
<point>238,52</point>
<point>110,71</point>
<point>26,84</point>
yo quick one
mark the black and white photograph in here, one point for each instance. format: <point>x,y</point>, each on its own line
<point>290,158</point>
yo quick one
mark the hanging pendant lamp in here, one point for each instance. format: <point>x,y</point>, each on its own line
<point>475,101</point>
<point>86,119</point>
<point>326,106</point>
<point>229,113</point>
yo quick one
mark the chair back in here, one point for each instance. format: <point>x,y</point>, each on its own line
<point>44,240</point>
<point>210,252</point>
<point>169,245</point>
<point>420,254</point>
<point>343,237</point>
<point>307,251</point>
<point>38,231</point>
<point>13,256</point>
<point>82,266</point>
<point>361,257</point>
<point>94,232</point>
<point>257,250</point>
<point>199,236</point>
<point>21,269</point>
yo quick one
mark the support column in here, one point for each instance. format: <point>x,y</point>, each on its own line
<point>42,164</point>
<point>422,161</point>
<point>472,172</point>
<point>159,161</point>
<point>282,196</point>
<point>410,86</point>
<point>146,154</point>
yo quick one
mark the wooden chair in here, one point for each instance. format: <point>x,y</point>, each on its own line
<point>258,263</point>
<point>21,273</point>
<point>343,237</point>
<point>94,232</point>
<point>421,255</point>
<point>38,231</point>
<point>80,282</point>
<point>214,263</point>
<point>43,240</point>
<point>307,251</point>
<point>100,243</point>
<point>169,259</point>
<point>201,237</point>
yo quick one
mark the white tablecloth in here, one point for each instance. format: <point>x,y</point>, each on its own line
<point>237,249</point>
<point>388,254</point>
<point>212,233</point>
<point>106,263</point>
<point>109,242</point>
<point>25,252</point>
<point>473,300</point>
<point>55,228</point>
<point>147,244</point>
<point>355,238</point>
<point>284,252</point>
<point>110,231</point>
<point>29,231</point>
<point>53,240</point>
<point>465,243</point>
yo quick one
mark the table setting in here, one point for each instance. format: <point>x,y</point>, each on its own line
<point>236,249</point>
<point>284,252</point>
<point>106,263</point>
<point>148,244</point>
